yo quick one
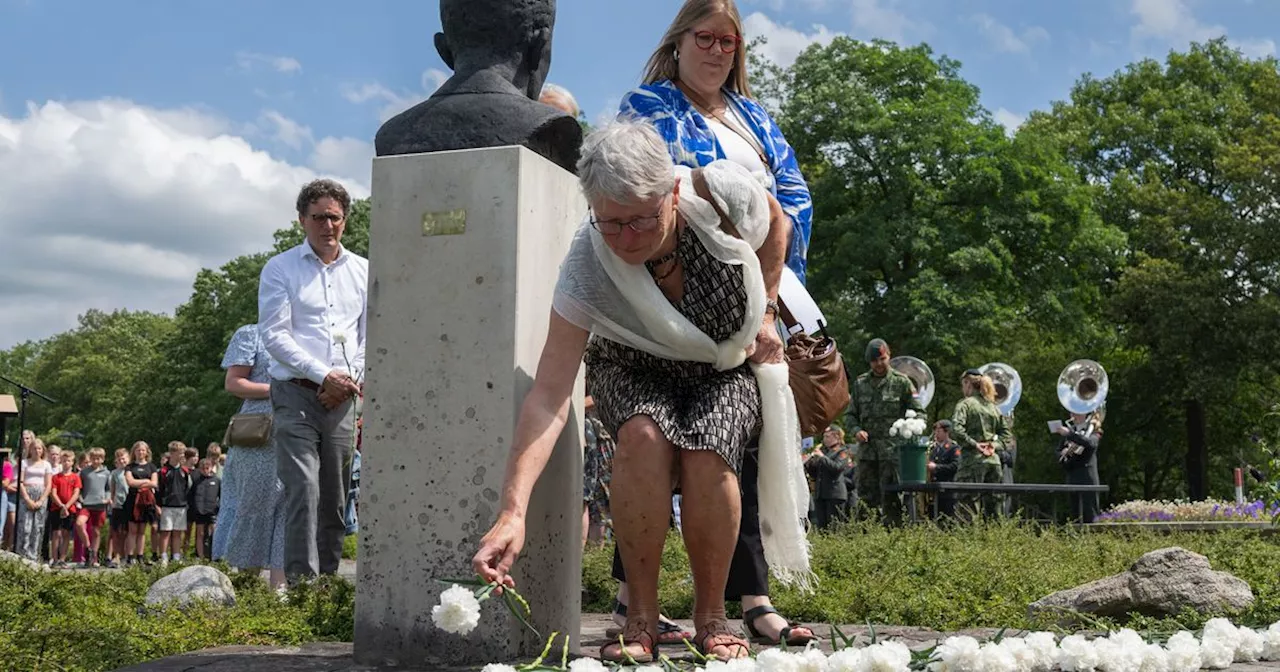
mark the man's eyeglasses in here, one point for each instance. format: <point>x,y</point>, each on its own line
<point>329,217</point>
<point>706,39</point>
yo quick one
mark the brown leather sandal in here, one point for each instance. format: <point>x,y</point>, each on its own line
<point>717,634</point>
<point>635,633</point>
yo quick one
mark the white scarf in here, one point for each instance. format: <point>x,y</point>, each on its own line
<point>598,292</point>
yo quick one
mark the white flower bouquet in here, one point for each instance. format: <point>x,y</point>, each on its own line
<point>912,427</point>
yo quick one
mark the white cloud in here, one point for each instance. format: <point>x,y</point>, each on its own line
<point>1171,23</point>
<point>286,130</point>
<point>1003,39</point>
<point>779,5</point>
<point>248,60</point>
<point>1010,120</point>
<point>783,43</point>
<point>109,204</point>
<point>880,19</point>
<point>395,102</point>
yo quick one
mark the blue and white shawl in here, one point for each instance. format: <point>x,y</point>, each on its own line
<point>692,143</point>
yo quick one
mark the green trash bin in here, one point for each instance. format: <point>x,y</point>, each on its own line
<point>913,461</point>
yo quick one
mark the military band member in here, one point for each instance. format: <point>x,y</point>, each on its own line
<point>878,398</point>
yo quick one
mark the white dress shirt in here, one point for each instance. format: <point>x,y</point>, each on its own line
<point>304,307</point>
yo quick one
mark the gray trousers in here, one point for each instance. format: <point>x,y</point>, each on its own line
<point>312,445</point>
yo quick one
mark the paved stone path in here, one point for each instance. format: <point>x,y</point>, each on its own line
<point>333,657</point>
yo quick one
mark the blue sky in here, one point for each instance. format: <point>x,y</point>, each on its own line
<point>151,138</point>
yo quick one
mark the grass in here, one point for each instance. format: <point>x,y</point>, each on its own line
<point>978,576</point>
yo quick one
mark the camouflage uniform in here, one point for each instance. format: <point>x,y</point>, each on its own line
<point>975,421</point>
<point>875,403</point>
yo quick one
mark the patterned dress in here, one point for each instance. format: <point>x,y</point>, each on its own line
<point>251,524</point>
<point>696,406</point>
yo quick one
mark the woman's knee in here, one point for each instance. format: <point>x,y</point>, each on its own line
<point>640,441</point>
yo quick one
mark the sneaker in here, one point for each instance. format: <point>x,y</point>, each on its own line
<point>113,565</point>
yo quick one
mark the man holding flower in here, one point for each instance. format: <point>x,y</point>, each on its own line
<point>311,314</point>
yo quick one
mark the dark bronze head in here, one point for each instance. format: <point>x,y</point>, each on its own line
<point>480,34</point>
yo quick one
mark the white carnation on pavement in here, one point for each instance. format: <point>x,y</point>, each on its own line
<point>458,612</point>
<point>497,667</point>
<point>1121,651</point>
<point>1154,659</point>
<point>1077,654</point>
<point>957,654</point>
<point>587,665</point>
<point>844,660</point>
<point>1271,642</point>
<point>1184,652</point>
<point>997,658</point>
<point>1251,645</point>
<point>777,660</point>
<point>1045,646</point>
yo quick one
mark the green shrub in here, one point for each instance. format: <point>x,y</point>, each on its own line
<point>77,621</point>
<point>973,576</point>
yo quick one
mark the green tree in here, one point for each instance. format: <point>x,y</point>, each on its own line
<point>1185,156</point>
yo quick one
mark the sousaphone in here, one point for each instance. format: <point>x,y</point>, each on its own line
<point>919,373</point>
<point>1083,386</point>
<point>1008,385</point>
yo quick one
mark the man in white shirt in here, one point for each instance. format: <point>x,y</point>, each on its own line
<point>311,315</point>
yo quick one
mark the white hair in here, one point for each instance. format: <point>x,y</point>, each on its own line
<point>625,162</point>
<point>557,91</point>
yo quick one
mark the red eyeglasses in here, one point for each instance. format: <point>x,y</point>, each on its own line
<point>705,39</point>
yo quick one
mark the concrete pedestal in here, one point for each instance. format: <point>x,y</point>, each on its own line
<point>465,249</point>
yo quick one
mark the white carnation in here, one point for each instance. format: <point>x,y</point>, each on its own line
<point>1219,643</point>
<point>1121,651</point>
<point>777,660</point>
<point>907,432</point>
<point>1077,654</point>
<point>844,660</point>
<point>886,657</point>
<point>957,654</point>
<point>997,658</point>
<point>497,667</point>
<point>1023,657</point>
<point>893,431</point>
<point>741,665</point>
<point>1251,646</point>
<point>1271,642</point>
<point>1184,652</point>
<point>1045,647</point>
<point>813,659</point>
<point>911,413</point>
<point>587,665</point>
<point>1154,659</point>
<point>458,612</point>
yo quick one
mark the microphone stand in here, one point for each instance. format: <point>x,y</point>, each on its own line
<point>24,394</point>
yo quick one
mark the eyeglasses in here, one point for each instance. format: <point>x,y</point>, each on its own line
<point>705,39</point>
<point>613,227</point>
<point>329,217</point>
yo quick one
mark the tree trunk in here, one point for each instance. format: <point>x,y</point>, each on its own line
<point>1197,451</point>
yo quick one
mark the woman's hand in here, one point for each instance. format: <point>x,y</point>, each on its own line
<point>498,550</point>
<point>768,347</point>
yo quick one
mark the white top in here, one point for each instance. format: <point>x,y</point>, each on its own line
<point>33,474</point>
<point>736,148</point>
<point>304,305</point>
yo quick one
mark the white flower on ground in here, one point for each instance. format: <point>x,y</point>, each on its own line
<point>1045,648</point>
<point>1184,652</point>
<point>813,659</point>
<point>1219,643</point>
<point>1077,654</point>
<point>957,654</point>
<point>886,657</point>
<point>497,667</point>
<point>1251,646</point>
<point>587,665</point>
<point>777,660</point>
<point>340,339</point>
<point>844,660</point>
<point>1121,651</point>
<point>1023,657</point>
<point>997,658</point>
<point>458,612</point>
<point>741,665</point>
<point>1271,642</point>
<point>1154,659</point>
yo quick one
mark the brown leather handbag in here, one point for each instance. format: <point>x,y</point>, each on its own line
<point>248,430</point>
<point>817,376</point>
<point>818,380</point>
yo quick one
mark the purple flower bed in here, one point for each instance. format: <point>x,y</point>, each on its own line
<point>1142,511</point>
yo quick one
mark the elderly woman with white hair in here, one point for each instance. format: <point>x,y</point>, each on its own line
<point>670,292</point>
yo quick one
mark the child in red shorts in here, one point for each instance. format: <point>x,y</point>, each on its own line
<point>64,505</point>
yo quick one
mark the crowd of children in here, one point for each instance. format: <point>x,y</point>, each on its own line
<point>78,498</point>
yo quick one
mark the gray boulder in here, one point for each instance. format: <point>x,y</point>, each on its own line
<point>6,556</point>
<point>1160,583</point>
<point>195,583</point>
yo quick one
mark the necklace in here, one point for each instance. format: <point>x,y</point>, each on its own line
<point>672,256</point>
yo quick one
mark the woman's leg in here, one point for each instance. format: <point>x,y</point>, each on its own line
<point>711,508</point>
<point>642,511</point>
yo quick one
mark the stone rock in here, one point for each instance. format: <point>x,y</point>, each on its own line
<point>191,584</point>
<point>1160,583</point>
<point>6,556</point>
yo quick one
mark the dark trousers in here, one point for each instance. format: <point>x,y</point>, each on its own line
<point>829,512</point>
<point>748,572</point>
<point>312,444</point>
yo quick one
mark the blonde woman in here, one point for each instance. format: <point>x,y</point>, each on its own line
<point>980,430</point>
<point>695,93</point>
<point>33,491</point>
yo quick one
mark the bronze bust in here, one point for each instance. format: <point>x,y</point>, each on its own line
<point>500,52</point>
